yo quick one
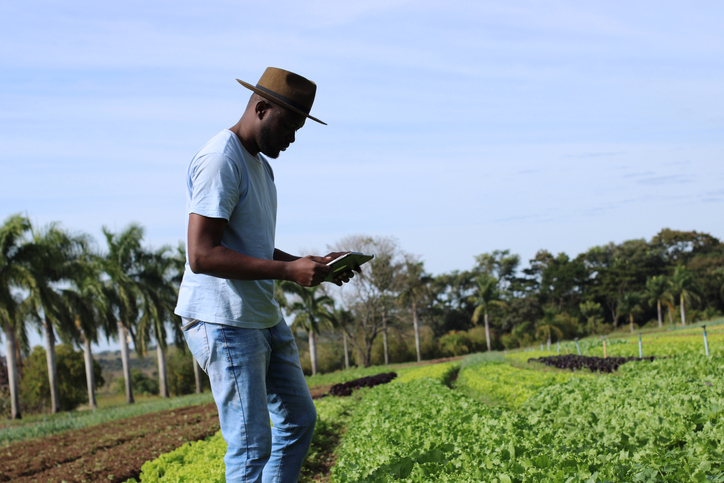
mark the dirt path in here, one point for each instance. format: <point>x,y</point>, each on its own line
<point>110,452</point>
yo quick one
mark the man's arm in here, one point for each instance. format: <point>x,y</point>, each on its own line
<point>208,256</point>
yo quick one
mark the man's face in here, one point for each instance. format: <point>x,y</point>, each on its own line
<point>277,130</point>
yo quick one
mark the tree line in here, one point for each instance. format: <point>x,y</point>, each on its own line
<point>60,282</point>
<point>395,311</point>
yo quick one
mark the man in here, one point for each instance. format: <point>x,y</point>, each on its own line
<point>232,324</point>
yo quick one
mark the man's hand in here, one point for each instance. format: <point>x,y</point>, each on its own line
<point>343,277</point>
<point>309,271</point>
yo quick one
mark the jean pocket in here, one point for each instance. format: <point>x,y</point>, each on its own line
<point>195,335</point>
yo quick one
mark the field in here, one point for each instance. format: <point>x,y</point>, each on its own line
<point>486,418</point>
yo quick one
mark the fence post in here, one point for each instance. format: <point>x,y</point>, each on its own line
<point>641,350</point>
<point>578,348</point>
<point>706,341</point>
<point>604,346</point>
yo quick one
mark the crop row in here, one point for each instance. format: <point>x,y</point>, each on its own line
<point>500,384</point>
<point>655,421</point>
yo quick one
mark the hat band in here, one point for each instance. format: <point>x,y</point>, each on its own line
<point>285,99</point>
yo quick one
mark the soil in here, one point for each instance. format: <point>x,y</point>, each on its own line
<point>111,452</point>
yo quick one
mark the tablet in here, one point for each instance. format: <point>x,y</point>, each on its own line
<point>347,262</point>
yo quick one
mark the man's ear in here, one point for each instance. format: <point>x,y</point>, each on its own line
<point>261,109</point>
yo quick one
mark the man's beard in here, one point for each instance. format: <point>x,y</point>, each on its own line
<point>265,142</point>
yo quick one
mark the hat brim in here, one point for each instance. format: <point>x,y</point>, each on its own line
<point>280,102</point>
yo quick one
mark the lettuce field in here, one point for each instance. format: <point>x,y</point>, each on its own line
<point>501,419</point>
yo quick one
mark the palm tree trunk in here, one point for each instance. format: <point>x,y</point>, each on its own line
<point>683,311</point>
<point>313,351</point>
<point>658,307</point>
<point>384,336</point>
<point>416,325</point>
<point>52,367</point>
<point>197,376</point>
<point>162,380</point>
<point>89,376</point>
<point>13,376</point>
<point>487,331</point>
<point>123,336</point>
<point>630,318</point>
<point>346,349</point>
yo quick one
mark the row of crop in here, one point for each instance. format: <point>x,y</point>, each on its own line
<point>203,461</point>
<point>500,384</point>
<point>656,421</point>
<point>57,423</point>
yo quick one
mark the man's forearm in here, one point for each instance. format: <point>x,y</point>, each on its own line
<point>284,256</point>
<point>223,262</point>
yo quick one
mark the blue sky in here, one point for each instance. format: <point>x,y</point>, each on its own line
<point>456,127</point>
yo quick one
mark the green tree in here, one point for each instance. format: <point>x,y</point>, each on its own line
<point>548,325</point>
<point>140,382</point>
<point>486,297</point>
<point>14,276</point>
<point>311,307</point>
<point>658,292</point>
<point>415,289</point>
<point>88,302</point>
<point>630,305</point>
<point>158,294</point>
<point>56,258</point>
<point>35,386</point>
<point>122,265</point>
<point>683,286</point>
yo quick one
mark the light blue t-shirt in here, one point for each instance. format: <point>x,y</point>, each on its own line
<point>225,181</point>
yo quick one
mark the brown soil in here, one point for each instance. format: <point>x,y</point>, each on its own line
<point>110,452</point>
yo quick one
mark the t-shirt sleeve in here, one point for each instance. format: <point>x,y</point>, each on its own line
<point>214,181</point>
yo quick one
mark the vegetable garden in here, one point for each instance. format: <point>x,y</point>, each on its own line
<point>499,418</point>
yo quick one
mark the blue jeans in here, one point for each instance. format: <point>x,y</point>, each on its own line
<point>255,375</point>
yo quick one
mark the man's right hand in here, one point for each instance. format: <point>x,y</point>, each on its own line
<point>309,271</point>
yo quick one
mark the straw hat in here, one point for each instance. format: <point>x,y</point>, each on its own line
<point>286,89</point>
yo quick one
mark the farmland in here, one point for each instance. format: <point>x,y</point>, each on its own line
<point>489,417</point>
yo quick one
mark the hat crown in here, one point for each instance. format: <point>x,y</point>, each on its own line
<point>286,89</point>
<point>289,87</point>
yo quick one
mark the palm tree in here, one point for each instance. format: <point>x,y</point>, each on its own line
<point>122,264</point>
<point>158,295</point>
<point>629,304</point>
<point>657,291</point>
<point>683,284</point>
<point>486,297</point>
<point>88,301</point>
<point>415,289</point>
<point>56,256</point>
<point>548,325</point>
<point>14,275</point>
<point>309,309</point>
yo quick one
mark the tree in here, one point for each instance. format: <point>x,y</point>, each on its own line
<point>592,311</point>
<point>56,257</point>
<point>415,289</point>
<point>682,285</point>
<point>122,264</point>
<point>88,302</point>
<point>370,293</point>
<point>486,297</point>
<point>630,305</point>
<point>72,380</point>
<point>658,292</point>
<point>158,296</point>
<point>548,325</point>
<point>14,275</point>
<point>311,307</point>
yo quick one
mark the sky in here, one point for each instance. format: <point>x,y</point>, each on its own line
<point>456,128</point>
